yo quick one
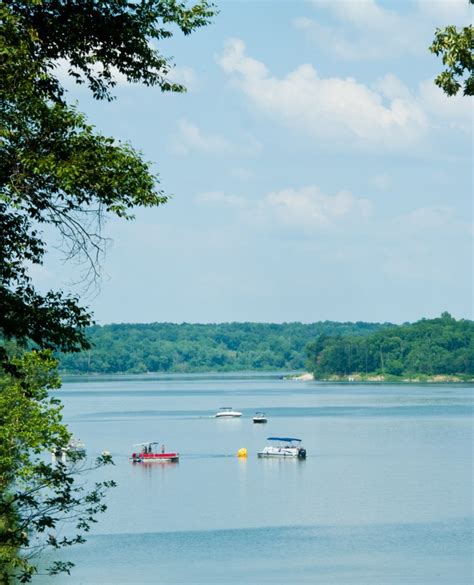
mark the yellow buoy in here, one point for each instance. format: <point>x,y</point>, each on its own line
<point>242,452</point>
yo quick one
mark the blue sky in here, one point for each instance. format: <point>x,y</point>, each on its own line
<point>316,172</point>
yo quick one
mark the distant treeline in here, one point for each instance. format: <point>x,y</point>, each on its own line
<point>169,347</point>
<point>431,346</point>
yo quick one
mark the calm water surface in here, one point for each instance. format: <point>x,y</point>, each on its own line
<point>384,497</point>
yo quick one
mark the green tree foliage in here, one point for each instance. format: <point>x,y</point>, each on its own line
<point>441,346</point>
<point>58,170</point>
<point>54,167</point>
<point>38,497</point>
<point>100,39</point>
<point>456,47</point>
<point>169,347</point>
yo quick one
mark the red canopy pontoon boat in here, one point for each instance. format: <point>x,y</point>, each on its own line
<point>148,453</point>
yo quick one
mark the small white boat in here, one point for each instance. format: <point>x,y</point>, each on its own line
<point>284,447</point>
<point>76,446</point>
<point>227,412</point>
<point>260,418</point>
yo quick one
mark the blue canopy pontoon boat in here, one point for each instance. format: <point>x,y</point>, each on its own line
<point>284,447</point>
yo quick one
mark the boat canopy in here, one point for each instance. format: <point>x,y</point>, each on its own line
<point>285,439</point>
<point>146,443</point>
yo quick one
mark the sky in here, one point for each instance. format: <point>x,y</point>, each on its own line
<point>316,172</point>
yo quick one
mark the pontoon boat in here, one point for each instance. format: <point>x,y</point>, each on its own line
<point>148,454</point>
<point>283,447</point>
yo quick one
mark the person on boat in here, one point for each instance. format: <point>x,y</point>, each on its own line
<point>163,448</point>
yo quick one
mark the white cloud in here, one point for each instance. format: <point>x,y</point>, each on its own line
<point>363,30</point>
<point>178,74</point>
<point>433,217</point>
<point>390,87</point>
<point>62,67</point>
<point>220,198</point>
<point>190,138</point>
<point>443,12</point>
<point>359,12</point>
<point>454,112</point>
<point>310,208</point>
<point>339,109</point>
<point>305,209</point>
<point>185,75</point>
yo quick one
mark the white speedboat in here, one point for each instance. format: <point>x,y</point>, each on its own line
<point>284,447</point>
<point>228,412</point>
<point>259,418</point>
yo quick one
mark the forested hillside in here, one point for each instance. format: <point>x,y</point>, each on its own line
<point>429,347</point>
<point>169,347</point>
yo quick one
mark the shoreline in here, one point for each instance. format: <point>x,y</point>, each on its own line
<point>387,379</point>
<point>291,376</point>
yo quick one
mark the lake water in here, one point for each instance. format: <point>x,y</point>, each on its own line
<point>384,496</point>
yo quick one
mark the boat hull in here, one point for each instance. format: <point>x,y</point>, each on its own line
<point>282,453</point>
<point>228,415</point>
<point>259,421</point>
<point>155,457</point>
<point>278,455</point>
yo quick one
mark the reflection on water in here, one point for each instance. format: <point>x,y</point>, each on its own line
<point>385,495</point>
<point>150,465</point>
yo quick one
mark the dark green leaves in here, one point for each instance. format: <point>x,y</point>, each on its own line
<point>456,47</point>
<point>100,40</point>
<point>36,495</point>
<point>58,170</point>
<point>428,347</point>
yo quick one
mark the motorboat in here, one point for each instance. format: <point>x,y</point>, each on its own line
<point>228,412</point>
<point>149,453</point>
<point>284,447</point>
<point>75,450</point>
<point>260,418</point>
<point>76,446</point>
